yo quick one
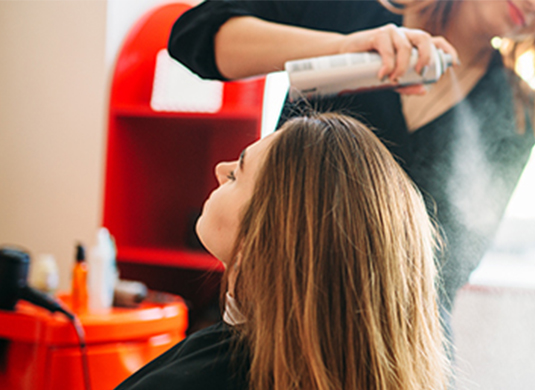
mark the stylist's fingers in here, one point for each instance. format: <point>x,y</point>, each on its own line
<point>416,89</point>
<point>442,43</point>
<point>403,49</point>
<point>382,43</point>
<point>394,45</point>
<point>422,41</point>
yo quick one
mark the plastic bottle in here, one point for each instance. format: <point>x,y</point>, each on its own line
<point>356,72</point>
<point>79,295</point>
<point>102,273</point>
<point>44,275</point>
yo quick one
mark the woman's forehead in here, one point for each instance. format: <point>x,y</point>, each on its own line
<point>255,152</point>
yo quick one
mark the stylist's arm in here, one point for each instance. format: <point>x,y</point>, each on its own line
<point>248,46</point>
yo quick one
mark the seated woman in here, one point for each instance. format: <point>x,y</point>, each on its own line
<point>329,279</point>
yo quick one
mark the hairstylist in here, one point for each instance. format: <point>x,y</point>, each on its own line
<point>464,143</point>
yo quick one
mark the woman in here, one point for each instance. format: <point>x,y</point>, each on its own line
<point>330,271</point>
<point>465,142</point>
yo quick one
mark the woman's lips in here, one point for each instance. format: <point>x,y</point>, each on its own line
<point>516,14</point>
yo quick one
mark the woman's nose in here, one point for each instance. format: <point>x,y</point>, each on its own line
<point>223,170</point>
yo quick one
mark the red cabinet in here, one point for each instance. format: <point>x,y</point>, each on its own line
<point>42,350</point>
<point>159,167</point>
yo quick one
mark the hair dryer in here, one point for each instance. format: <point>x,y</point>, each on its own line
<point>14,265</point>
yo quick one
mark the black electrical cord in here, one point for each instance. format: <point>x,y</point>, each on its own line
<point>83,349</point>
<point>42,300</point>
<point>79,329</point>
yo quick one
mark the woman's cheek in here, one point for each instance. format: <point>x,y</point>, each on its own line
<point>217,227</point>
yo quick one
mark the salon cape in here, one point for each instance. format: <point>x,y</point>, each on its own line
<point>210,359</point>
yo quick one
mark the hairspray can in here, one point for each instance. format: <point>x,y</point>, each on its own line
<point>355,73</point>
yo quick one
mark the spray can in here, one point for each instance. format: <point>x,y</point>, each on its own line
<point>355,73</point>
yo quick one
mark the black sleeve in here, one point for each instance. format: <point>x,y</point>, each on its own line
<point>192,37</point>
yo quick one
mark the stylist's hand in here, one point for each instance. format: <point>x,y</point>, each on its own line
<point>394,44</point>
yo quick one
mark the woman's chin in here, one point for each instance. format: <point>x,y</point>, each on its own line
<point>206,243</point>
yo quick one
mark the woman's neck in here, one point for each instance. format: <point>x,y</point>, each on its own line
<point>475,53</point>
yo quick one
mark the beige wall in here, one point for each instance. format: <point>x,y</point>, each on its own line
<point>53,92</point>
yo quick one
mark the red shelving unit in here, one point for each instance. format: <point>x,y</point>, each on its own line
<point>159,167</point>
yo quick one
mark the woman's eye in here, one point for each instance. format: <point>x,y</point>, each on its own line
<point>231,176</point>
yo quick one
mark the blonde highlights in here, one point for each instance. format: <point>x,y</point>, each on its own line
<point>336,272</point>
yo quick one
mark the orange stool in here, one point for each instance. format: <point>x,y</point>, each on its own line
<point>43,352</point>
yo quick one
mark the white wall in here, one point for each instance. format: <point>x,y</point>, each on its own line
<point>495,338</point>
<point>122,14</point>
<point>52,104</point>
<point>57,61</point>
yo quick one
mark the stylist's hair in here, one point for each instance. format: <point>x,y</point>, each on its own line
<point>336,266</point>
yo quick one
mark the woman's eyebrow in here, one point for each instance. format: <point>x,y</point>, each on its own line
<point>241,160</point>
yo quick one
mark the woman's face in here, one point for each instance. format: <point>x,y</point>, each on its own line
<point>505,18</point>
<point>217,227</point>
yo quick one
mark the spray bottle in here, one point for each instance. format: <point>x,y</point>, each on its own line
<point>102,273</point>
<point>356,72</point>
<point>79,296</point>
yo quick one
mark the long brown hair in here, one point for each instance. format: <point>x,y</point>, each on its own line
<point>336,270</point>
<point>438,14</point>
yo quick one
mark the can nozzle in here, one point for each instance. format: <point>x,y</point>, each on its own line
<point>446,60</point>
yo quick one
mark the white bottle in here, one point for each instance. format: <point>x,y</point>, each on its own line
<point>102,273</point>
<point>356,72</point>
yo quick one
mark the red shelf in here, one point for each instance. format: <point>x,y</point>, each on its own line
<point>146,112</point>
<point>160,165</point>
<point>171,257</point>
